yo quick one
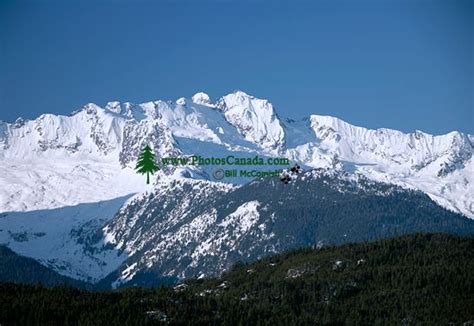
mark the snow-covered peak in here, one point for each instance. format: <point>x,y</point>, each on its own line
<point>255,119</point>
<point>137,112</point>
<point>328,121</point>
<point>20,122</point>
<point>415,150</point>
<point>181,101</point>
<point>202,99</point>
<point>114,106</point>
<point>236,99</point>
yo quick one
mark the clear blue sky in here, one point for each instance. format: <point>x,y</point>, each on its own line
<point>398,64</point>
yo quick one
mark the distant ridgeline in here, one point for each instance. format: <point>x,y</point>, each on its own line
<point>416,279</point>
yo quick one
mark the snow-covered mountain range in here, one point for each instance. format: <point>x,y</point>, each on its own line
<point>66,181</point>
<point>55,160</point>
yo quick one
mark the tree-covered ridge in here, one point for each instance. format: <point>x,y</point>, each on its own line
<point>416,279</point>
<point>20,269</point>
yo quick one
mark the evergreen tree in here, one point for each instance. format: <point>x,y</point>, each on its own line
<point>146,163</point>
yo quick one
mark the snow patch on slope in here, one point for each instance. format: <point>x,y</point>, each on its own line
<point>61,238</point>
<point>30,186</point>
<point>230,230</point>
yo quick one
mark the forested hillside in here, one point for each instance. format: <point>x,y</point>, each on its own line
<point>416,279</point>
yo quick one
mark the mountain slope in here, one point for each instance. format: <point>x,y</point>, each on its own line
<point>263,217</point>
<point>65,239</point>
<point>18,269</point>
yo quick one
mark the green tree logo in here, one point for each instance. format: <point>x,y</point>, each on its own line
<point>146,163</point>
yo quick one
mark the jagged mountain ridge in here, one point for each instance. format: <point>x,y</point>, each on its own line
<point>112,136</point>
